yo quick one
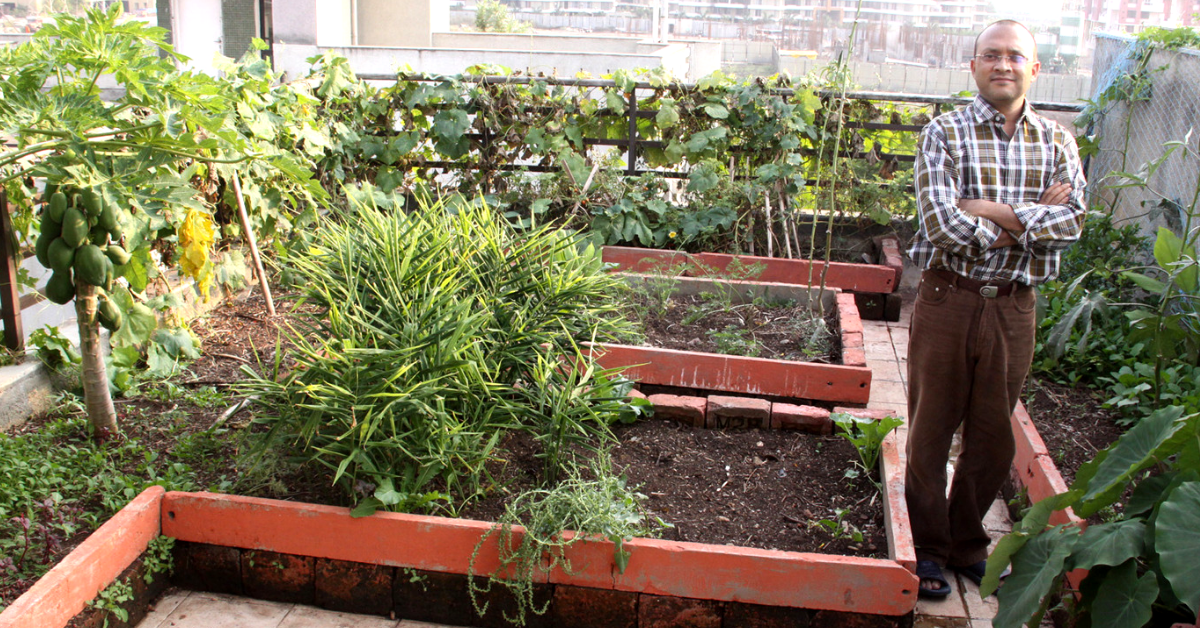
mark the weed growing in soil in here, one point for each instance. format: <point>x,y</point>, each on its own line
<point>593,503</point>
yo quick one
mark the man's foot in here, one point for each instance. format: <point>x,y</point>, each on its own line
<point>975,572</point>
<point>934,585</point>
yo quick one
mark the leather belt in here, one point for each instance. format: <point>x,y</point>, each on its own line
<point>985,289</point>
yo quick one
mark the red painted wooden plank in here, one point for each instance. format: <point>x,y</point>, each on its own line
<point>729,373</point>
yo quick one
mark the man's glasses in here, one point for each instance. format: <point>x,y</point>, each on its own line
<point>1017,61</point>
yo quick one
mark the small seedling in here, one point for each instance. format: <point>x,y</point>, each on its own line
<point>866,435</point>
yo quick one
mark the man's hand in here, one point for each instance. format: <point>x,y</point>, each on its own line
<point>1056,194</point>
<point>998,213</point>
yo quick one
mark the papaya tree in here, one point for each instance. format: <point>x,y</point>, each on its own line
<point>102,113</point>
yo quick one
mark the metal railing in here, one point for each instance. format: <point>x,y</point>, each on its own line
<point>633,145</point>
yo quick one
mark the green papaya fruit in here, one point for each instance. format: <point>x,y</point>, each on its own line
<point>98,236</point>
<point>92,204</point>
<point>50,226</point>
<point>58,205</point>
<point>49,191</point>
<point>60,288</point>
<point>74,228</point>
<point>108,218</point>
<point>61,255</point>
<point>89,264</point>
<point>41,249</point>
<point>110,316</point>
<point>118,254</point>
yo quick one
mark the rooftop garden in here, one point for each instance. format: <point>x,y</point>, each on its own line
<point>437,244</point>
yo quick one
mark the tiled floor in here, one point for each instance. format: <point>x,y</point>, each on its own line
<point>887,351</point>
<point>190,609</point>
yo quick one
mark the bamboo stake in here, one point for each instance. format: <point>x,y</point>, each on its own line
<point>787,224</point>
<point>770,225</point>
<point>258,269</point>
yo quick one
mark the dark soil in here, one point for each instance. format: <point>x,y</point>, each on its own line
<point>751,488</point>
<point>782,331</point>
<point>1072,422</point>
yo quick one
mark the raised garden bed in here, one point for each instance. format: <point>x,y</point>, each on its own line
<point>848,383</point>
<point>415,566</point>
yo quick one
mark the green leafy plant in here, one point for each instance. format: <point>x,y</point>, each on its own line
<point>437,334</point>
<point>112,599</point>
<point>733,340</point>
<point>1142,568</point>
<point>578,509</point>
<point>159,558</point>
<point>866,434</point>
<point>838,527</point>
<point>53,349</point>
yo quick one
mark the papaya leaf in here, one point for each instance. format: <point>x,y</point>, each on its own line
<point>1177,541</point>
<point>1124,600</point>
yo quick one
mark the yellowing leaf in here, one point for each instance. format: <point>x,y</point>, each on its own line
<point>196,237</point>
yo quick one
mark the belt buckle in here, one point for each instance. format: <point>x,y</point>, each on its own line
<point>989,292</point>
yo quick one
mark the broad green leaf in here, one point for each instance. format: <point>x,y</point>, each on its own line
<point>667,116</point>
<point>1177,541</point>
<point>702,180</point>
<point>140,321</point>
<point>1124,600</point>
<point>1149,284</point>
<point>1035,569</point>
<point>366,507</point>
<point>450,124</point>
<point>1109,544</point>
<point>177,343</point>
<point>614,101</point>
<point>137,271</point>
<point>1030,526</point>
<point>1147,494</point>
<point>1170,252</point>
<point>125,357</point>
<point>716,110</point>
<point>1138,448</point>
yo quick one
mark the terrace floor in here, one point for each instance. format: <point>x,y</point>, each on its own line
<point>887,355</point>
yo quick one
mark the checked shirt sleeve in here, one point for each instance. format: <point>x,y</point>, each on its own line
<point>943,224</point>
<point>1055,227</point>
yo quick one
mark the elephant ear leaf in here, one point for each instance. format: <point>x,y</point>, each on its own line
<point>1177,541</point>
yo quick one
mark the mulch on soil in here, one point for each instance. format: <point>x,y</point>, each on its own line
<point>779,331</point>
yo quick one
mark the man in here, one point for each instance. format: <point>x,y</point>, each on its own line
<point>1000,195</point>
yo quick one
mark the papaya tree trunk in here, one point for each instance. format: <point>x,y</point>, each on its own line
<point>95,377</point>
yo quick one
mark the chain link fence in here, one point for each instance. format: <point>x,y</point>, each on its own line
<point>1147,98</point>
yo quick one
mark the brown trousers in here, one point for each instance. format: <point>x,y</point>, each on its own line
<point>967,359</point>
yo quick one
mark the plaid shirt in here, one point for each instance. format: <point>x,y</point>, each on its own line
<point>963,155</point>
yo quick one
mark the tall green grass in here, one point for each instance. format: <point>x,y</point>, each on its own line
<point>439,332</point>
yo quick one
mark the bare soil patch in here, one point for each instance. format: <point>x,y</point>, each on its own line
<point>1072,422</point>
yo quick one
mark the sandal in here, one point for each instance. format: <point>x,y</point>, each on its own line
<point>929,570</point>
<point>975,572</point>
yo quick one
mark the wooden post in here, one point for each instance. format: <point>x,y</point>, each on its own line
<point>10,301</point>
<point>631,167</point>
<point>258,269</point>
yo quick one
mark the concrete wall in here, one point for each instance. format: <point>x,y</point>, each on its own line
<point>527,42</point>
<point>400,22</point>
<point>756,52</point>
<point>295,21</point>
<point>938,82</point>
<point>334,23</point>
<point>379,60</point>
<point>1168,116</point>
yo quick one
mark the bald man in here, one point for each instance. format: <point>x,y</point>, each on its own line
<point>1000,196</point>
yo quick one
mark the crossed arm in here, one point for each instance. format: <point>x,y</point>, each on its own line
<point>1002,214</point>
